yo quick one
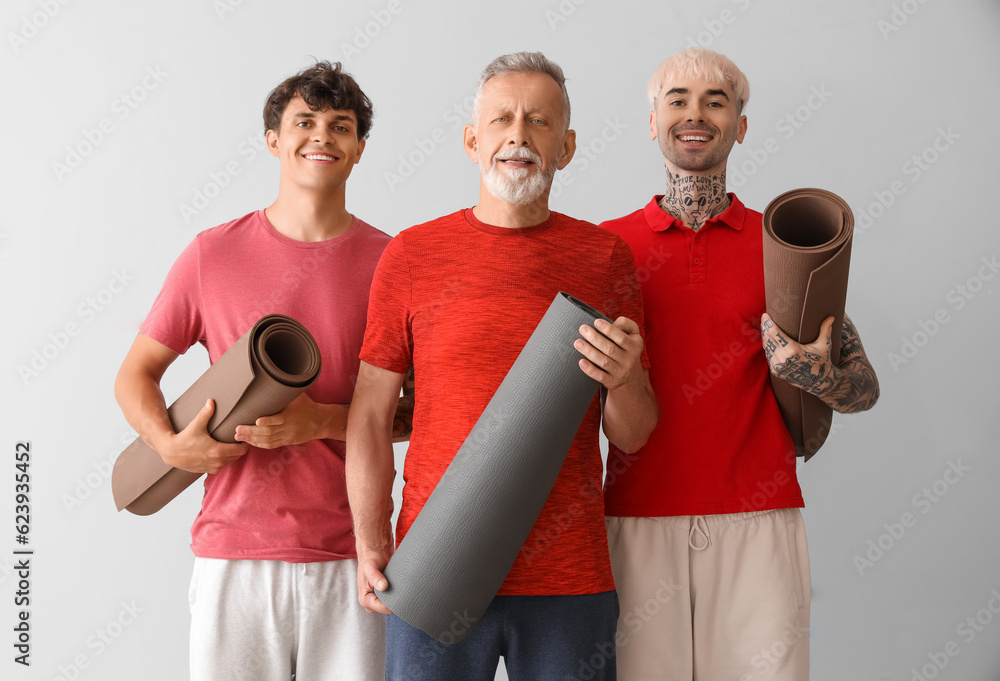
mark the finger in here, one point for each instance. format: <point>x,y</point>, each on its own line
<point>616,334</point>
<point>204,415</point>
<point>371,603</point>
<point>254,435</point>
<point>224,454</point>
<point>599,375</point>
<point>375,578</point>
<point>627,325</point>
<point>605,344</point>
<point>264,438</point>
<point>826,329</point>
<point>772,331</point>
<point>599,359</point>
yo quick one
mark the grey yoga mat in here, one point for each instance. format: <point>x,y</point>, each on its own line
<point>465,539</point>
<point>807,256</point>
<point>268,367</point>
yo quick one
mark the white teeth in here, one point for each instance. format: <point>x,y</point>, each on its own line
<point>693,138</point>
<point>319,157</point>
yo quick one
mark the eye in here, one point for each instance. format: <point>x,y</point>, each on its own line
<point>540,121</point>
<point>717,105</point>
<point>677,102</point>
<point>302,124</point>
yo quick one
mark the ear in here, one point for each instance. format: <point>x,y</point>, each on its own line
<point>742,130</point>
<point>271,137</point>
<point>361,148</point>
<point>652,124</point>
<point>568,149</point>
<point>469,142</point>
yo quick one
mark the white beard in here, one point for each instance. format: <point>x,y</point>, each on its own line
<point>520,186</point>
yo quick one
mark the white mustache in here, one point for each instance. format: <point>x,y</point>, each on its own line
<point>518,154</point>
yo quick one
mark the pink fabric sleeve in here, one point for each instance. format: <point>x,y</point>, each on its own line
<point>175,319</point>
<point>387,336</point>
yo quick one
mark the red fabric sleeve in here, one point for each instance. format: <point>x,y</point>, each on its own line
<point>387,337</point>
<point>622,295</point>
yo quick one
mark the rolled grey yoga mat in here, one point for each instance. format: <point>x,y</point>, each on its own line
<point>462,544</point>
<point>259,375</point>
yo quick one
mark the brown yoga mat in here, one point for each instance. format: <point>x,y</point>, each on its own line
<point>268,367</point>
<point>807,255</point>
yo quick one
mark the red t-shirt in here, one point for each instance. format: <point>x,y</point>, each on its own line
<point>459,298</point>
<point>720,445</point>
<point>291,503</point>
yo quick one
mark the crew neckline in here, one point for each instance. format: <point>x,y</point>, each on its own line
<point>495,230</point>
<point>295,243</point>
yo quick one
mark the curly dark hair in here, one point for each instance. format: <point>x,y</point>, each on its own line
<point>322,86</point>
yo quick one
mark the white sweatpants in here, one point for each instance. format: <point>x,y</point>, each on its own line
<point>265,620</point>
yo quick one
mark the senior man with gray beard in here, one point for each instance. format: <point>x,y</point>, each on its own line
<point>459,297</point>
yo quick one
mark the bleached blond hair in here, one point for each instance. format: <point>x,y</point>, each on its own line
<point>696,62</point>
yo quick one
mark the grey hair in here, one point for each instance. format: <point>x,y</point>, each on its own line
<point>521,62</point>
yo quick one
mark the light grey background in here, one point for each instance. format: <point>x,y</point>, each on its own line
<point>893,79</point>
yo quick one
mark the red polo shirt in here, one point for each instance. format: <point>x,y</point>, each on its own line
<point>721,445</point>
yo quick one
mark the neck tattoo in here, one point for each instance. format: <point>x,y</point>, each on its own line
<point>695,199</point>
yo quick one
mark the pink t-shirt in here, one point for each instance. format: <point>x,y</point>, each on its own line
<point>291,503</point>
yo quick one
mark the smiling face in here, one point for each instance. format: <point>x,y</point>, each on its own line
<point>696,122</point>
<point>317,149</point>
<point>520,138</point>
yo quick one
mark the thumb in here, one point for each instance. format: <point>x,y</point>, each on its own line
<point>376,578</point>
<point>826,329</point>
<point>822,342</point>
<point>201,419</point>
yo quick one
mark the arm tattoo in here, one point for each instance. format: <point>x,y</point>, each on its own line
<point>857,388</point>
<point>849,388</point>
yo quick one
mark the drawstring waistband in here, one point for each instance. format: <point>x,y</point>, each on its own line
<point>699,527</point>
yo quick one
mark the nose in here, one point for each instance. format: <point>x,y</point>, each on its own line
<point>518,134</point>
<point>695,112</point>
<point>320,134</point>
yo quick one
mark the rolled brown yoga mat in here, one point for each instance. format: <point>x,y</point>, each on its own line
<point>462,544</point>
<point>807,255</point>
<point>268,367</point>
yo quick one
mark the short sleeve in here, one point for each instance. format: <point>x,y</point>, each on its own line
<point>176,319</point>
<point>623,293</point>
<point>387,336</point>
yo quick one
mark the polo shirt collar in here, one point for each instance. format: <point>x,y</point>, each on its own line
<point>659,220</point>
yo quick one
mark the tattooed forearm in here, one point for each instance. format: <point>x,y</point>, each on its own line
<point>695,199</point>
<point>848,388</point>
<point>850,342</point>
<point>402,422</point>
<point>858,388</point>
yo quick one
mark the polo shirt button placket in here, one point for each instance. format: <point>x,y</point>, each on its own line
<point>697,265</point>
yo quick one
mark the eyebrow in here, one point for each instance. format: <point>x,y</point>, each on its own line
<point>685,91</point>
<point>338,117</point>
